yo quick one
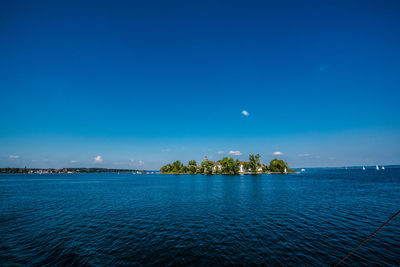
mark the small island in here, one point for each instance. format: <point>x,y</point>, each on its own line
<point>228,166</point>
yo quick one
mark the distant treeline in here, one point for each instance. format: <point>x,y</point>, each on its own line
<point>63,170</point>
<point>227,166</point>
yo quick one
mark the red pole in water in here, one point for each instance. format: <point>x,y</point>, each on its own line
<point>362,243</point>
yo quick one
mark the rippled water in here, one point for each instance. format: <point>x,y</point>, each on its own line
<point>312,218</point>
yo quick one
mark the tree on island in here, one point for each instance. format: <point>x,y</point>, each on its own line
<point>176,167</point>
<point>192,165</point>
<point>207,167</point>
<point>278,165</point>
<point>246,166</point>
<point>229,166</point>
<point>254,162</point>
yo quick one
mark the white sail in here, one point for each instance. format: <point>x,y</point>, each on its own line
<point>377,167</point>
<point>363,168</point>
<point>285,170</point>
<point>383,167</point>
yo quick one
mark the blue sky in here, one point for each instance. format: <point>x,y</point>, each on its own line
<point>142,83</point>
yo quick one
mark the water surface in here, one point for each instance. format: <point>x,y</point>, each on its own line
<point>311,218</point>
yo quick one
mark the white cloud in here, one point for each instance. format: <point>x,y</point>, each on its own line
<point>220,152</point>
<point>74,161</point>
<point>141,162</point>
<point>14,157</point>
<point>304,155</point>
<point>245,113</point>
<point>98,159</point>
<point>324,68</point>
<point>278,153</point>
<point>235,152</point>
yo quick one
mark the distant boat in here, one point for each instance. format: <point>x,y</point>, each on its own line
<point>285,170</point>
<point>363,168</point>
<point>303,170</point>
<point>377,167</point>
<point>383,167</point>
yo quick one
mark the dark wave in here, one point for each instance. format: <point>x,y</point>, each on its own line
<point>312,218</point>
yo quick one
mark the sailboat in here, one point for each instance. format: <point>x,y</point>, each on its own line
<point>363,168</point>
<point>383,167</point>
<point>377,167</point>
<point>285,170</point>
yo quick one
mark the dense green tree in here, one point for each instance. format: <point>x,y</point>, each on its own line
<point>192,167</point>
<point>166,168</point>
<point>278,165</point>
<point>254,162</point>
<point>246,166</point>
<point>185,169</point>
<point>177,167</point>
<point>265,169</point>
<point>207,167</point>
<point>237,162</point>
<point>229,166</point>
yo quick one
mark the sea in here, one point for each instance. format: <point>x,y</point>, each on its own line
<point>311,218</point>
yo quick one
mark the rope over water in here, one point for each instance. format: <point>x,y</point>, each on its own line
<point>362,243</point>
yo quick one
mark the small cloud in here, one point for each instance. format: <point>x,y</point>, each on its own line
<point>235,152</point>
<point>98,159</point>
<point>141,162</point>
<point>304,155</point>
<point>245,113</point>
<point>74,161</point>
<point>131,161</point>
<point>324,68</point>
<point>220,152</point>
<point>14,157</point>
<point>277,153</point>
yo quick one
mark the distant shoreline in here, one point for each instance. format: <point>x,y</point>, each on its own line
<point>67,170</point>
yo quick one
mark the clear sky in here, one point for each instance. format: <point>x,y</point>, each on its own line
<point>136,84</point>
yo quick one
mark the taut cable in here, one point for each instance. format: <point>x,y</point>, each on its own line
<point>362,243</point>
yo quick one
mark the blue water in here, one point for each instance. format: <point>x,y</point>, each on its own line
<point>312,218</point>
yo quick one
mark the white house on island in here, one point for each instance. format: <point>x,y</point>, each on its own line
<point>242,170</point>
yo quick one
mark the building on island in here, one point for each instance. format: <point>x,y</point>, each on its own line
<point>241,169</point>
<point>217,166</point>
